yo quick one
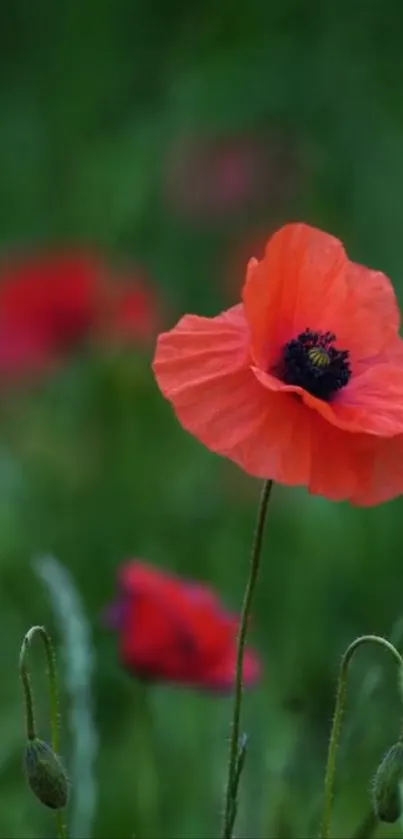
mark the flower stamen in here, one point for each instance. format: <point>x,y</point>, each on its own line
<point>312,361</point>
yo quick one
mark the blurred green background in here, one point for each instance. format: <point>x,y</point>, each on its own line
<point>178,136</point>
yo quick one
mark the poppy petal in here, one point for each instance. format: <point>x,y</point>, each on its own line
<point>372,402</point>
<point>384,479</point>
<point>299,284</point>
<point>340,463</point>
<point>201,345</point>
<point>272,434</point>
<point>201,366</point>
<point>305,280</point>
<point>372,318</point>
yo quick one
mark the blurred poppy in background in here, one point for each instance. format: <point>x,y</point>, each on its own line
<point>218,177</point>
<point>48,302</point>
<point>303,381</point>
<point>51,303</point>
<point>176,630</point>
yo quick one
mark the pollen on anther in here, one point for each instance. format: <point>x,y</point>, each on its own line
<point>319,356</point>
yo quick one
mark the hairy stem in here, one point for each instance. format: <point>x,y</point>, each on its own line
<point>53,695</point>
<point>27,691</point>
<point>338,720</point>
<point>233,774</point>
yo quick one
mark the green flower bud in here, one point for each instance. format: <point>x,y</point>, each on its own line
<point>46,775</point>
<point>386,785</point>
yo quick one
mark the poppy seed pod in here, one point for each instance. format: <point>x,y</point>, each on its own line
<point>386,785</point>
<point>46,775</point>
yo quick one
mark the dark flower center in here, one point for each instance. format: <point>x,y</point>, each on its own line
<point>313,362</point>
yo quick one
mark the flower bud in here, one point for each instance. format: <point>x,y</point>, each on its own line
<point>46,775</point>
<point>386,785</point>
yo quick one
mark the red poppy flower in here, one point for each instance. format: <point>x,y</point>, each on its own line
<point>303,381</point>
<point>176,630</point>
<point>47,305</point>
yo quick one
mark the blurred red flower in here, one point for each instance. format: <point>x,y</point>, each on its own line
<point>216,177</point>
<point>52,302</point>
<point>175,630</point>
<point>48,303</point>
<point>302,382</point>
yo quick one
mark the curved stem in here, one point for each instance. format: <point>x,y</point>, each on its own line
<point>338,720</point>
<point>27,690</point>
<point>233,774</point>
<point>53,695</point>
<point>53,683</point>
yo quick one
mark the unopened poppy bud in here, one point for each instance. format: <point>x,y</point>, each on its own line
<point>386,785</point>
<point>46,775</point>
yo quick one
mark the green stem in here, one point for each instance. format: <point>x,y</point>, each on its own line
<point>232,781</point>
<point>53,683</point>
<point>27,690</point>
<point>235,784</point>
<point>61,825</point>
<point>338,720</point>
<point>53,695</point>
